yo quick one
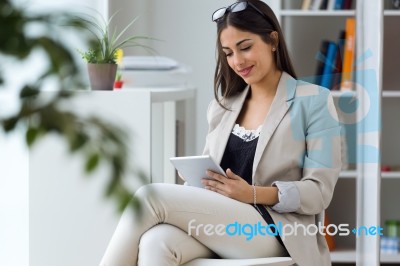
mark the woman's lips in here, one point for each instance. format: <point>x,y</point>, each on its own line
<point>245,71</point>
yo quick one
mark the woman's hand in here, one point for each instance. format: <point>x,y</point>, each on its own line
<point>232,186</point>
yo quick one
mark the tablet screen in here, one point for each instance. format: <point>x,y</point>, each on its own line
<point>193,168</point>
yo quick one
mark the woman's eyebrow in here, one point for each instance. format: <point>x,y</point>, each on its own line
<point>237,44</point>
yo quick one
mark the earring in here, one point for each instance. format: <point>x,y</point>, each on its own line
<point>273,49</point>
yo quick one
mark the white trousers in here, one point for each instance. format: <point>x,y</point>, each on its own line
<point>159,233</point>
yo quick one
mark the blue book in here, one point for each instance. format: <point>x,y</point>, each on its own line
<point>321,59</point>
<point>338,4</point>
<point>329,65</point>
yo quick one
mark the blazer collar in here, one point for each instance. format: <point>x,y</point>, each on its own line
<point>228,121</point>
<point>280,105</point>
<point>283,99</point>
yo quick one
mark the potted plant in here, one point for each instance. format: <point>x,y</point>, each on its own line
<point>102,55</point>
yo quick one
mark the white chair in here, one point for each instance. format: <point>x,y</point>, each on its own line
<point>274,261</point>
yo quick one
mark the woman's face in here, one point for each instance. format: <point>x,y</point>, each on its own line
<point>248,55</point>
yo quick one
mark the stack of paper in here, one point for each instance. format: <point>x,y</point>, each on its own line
<point>148,63</point>
<point>153,71</point>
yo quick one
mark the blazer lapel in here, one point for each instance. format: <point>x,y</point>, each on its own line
<point>280,105</point>
<point>227,123</point>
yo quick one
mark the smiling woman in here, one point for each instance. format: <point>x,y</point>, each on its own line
<point>252,59</point>
<point>276,138</point>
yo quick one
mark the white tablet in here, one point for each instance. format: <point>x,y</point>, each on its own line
<point>193,168</point>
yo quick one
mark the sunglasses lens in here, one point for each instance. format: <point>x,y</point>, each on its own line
<point>219,14</point>
<point>239,6</point>
<point>236,7</point>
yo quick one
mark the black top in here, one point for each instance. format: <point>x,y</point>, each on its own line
<point>239,157</point>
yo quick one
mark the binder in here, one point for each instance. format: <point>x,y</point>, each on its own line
<point>329,65</point>
<point>348,60</point>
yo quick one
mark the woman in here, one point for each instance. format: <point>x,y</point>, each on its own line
<point>279,141</point>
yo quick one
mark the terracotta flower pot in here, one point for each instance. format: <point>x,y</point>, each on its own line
<point>102,76</point>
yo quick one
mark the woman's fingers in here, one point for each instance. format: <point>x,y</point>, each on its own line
<point>216,176</point>
<point>216,183</point>
<point>231,174</point>
<point>212,183</point>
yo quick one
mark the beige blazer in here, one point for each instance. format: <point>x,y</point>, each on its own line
<point>300,143</point>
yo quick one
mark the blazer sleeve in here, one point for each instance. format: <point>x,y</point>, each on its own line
<point>322,159</point>
<point>211,113</point>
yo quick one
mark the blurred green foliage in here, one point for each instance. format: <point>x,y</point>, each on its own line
<point>98,141</point>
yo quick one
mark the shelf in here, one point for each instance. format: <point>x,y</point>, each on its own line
<point>390,175</point>
<point>320,13</point>
<point>331,13</point>
<point>348,174</point>
<point>349,256</point>
<point>385,94</point>
<point>384,175</point>
<point>391,94</point>
<point>390,258</point>
<point>391,13</point>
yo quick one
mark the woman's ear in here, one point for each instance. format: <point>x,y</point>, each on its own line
<point>275,39</point>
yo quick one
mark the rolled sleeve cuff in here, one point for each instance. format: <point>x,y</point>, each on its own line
<point>289,197</point>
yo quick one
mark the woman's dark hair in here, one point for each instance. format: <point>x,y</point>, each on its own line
<point>250,20</point>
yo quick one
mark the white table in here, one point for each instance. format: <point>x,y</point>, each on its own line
<point>70,221</point>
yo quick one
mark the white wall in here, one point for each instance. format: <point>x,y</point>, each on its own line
<point>14,159</point>
<point>14,223</point>
<point>188,35</point>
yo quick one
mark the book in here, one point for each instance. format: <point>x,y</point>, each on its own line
<point>321,57</point>
<point>306,5</point>
<point>330,240</point>
<point>338,4</point>
<point>315,4</point>
<point>324,5</point>
<point>329,65</point>
<point>337,72</point>
<point>348,58</point>
<point>347,4</point>
<point>331,5</point>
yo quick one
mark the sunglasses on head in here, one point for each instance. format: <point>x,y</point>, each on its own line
<point>235,7</point>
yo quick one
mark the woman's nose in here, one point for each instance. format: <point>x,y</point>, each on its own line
<point>238,59</point>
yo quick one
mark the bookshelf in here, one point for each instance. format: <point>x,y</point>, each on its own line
<point>304,31</point>
<point>317,13</point>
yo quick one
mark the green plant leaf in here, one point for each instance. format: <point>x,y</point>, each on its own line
<point>10,123</point>
<point>107,42</point>
<point>92,162</point>
<point>31,135</point>
<point>78,141</point>
<point>28,91</point>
